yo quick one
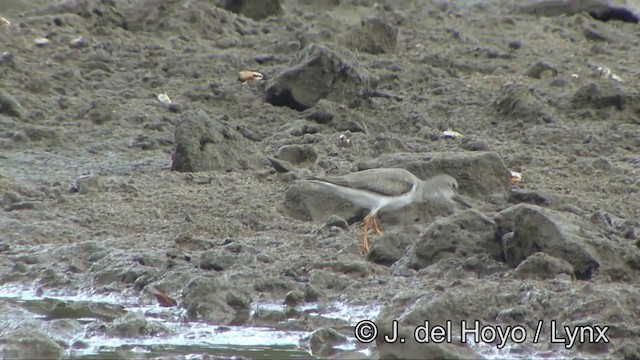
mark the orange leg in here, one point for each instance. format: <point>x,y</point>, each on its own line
<point>364,241</point>
<point>376,228</point>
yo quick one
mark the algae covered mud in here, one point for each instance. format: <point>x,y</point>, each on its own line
<point>153,205</point>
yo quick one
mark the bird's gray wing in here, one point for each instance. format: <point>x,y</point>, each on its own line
<point>384,181</point>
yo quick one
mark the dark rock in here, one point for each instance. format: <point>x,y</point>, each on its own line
<point>9,106</point>
<point>560,81</point>
<point>254,9</point>
<point>628,350</point>
<point>560,235</point>
<point>28,343</point>
<point>541,266</point>
<point>26,205</point>
<point>517,101</point>
<point>410,349</point>
<point>373,36</point>
<point>100,112</point>
<point>215,300</point>
<point>473,144</point>
<point>536,197</point>
<point>42,133</point>
<point>304,129</point>
<point>280,166</point>
<point>320,73</point>
<point>106,273</point>
<point>7,58</point>
<point>188,242</point>
<point>460,235</point>
<point>359,269</point>
<point>267,318</point>
<point>323,342</point>
<point>599,96</point>
<point>297,154</point>
<point>390,247</point>
<point>322,112</point>
<point>294,297</point>
<point>560,7</point>
<point>275,286</point>
<point>77,266</point>
<point>594,34</point>
<point>336,221</point>
<point>541,68</point>
<point>133,325</point>
<point>88,184</point>
<point>206,145</point>
<point>615,13</point>
<point>515,45</point>
<point>324,279</point>
<point>10,197</point>
<point>145,142</point>
<point>218,260</point>
<point>351,126</point>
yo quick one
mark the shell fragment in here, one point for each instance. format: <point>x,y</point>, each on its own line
<point>514,177</point>
<point>40,42</point>
<point>164,98</point>
<point>344,140</point>
<point>450,134</point>
<point>246,76</point>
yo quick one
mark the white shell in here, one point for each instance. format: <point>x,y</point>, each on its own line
<point>450,134</point>
<point>41,41</point>
<point>164,98</point>
<point>515,176</point>
<point>4,21</point>
<point>344,141</point>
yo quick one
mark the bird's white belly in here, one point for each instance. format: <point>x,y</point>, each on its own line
<point>390,204</point>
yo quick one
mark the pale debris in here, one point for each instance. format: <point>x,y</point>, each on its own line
<point>246,76</point>
<point>450,134</point>
<point>344,140</point>
<point>164,98</point>
<point>514,177</point>
<point>4,21</point>
<point>40,42</point>
<point>605,72</point>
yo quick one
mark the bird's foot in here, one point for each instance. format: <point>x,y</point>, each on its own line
<point>376,228</point>
<point>364,241</point>
<point>367,222</point>
<point>364,244</point>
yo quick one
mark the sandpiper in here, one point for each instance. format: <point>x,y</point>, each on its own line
<point>388,189</point>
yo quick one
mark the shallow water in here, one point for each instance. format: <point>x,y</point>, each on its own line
<point>193,339</point>
<point>189,340</point>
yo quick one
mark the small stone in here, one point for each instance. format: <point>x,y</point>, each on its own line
<point>88,184</point>
<point>9,105</point>
<point>515,45</point>
<point>294,297</point>
<point>78,43</point>
<point>6,57</point>
<point>297,154</point>
<point>26,205</point>
<point>40,42</point>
